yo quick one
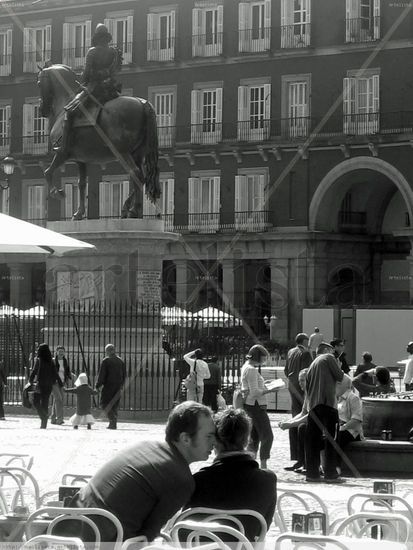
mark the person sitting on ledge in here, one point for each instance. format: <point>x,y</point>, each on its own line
<point>383,382</point>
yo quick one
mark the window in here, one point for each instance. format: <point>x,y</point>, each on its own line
<point>165,205</point>
<point>254,108</point>
<point>76,42</point>
<point>164,103</point>
<point>295,23</point>
<point>4,200</point>
<point>296,106</point>
<point>37,47</point>
<point>206,115</point>
<point>36,203</point>
<point>121,29</point>
<point>112,195</point>
<point>6,37</point>
<point>361,105</point>
<point>250,191</point>
<point>71,201</point>
<point>362,20</point>
<point>204,203</point>
<point>254,24</point>
<point>161,36</point>
<point>207,31</point>
<point>35,129</point>
<point>5,114</point>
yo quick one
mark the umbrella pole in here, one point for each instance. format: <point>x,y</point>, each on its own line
<point>82,354</point>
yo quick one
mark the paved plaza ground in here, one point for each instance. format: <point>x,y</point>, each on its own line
<point>60,449</point>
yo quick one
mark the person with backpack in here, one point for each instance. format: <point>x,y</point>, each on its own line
<point>198,372</point>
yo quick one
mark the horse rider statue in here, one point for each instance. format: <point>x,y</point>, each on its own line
<point>98,81</point>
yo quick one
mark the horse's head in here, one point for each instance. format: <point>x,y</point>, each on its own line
<point>56,83</point>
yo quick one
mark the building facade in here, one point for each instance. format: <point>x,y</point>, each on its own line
<point>285,132</point>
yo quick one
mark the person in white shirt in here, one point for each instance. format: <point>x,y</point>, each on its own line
<point>252,384</point>
<point>315,340</point>
<point>408,372</point>
<point>199,369</point>
<point>350,416</point>
<point>65,375</point>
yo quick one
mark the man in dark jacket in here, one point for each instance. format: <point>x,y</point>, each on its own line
<point>111,378</point>
<point>298,358</point>
<point>339,354</point>
<point>212,385</point>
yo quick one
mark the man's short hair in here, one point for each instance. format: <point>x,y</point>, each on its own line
<point>184,418</point>
<point>109,346</point>
<point>337,342</point>
<point>60,347</point>
<point>316,329</point>
<point>382,375</point>
<point>324,347</point>
<point>367,356</point>
<point>233,429</point>
<point>301,336</point>
<point>199,354</point>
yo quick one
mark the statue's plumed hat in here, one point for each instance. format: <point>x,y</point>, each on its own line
<point>102,33</point>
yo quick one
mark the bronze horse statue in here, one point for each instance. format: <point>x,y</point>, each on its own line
<point>125,131</point>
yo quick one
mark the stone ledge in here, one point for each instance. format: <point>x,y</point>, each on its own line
<point>376,455</point>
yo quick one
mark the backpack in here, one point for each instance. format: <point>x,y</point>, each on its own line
<point>190,381</point>
<point>27,395</point>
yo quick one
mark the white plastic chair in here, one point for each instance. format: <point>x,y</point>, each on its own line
<point>60,515</point>
<point>298,540</point>
<point>14,481</point>
<point>308,500</point>
<point>233,517</point>
<point>394,527</point>
<point>361,502</point>
<point>75,479</point>
<point>16,459</point>
<point>53,541</point>
<point>188,534</point>
<point>136,542</point>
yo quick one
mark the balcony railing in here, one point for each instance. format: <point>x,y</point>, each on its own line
<point>32,60</point>
<point>168,219</point>
<point>5,64</point>
<point>207,133</point>
<point>296,36</point>
<point>161,49</point>
<point>166,136</point>
<point>254,40</point>
<point>361,124</point>
<point>75,57</point>
<point>207,45</point>
<point>255,129</point>
<point>363,29</point>
<point>252,222</point>
<point>36,145</point>
<point>4,145</point>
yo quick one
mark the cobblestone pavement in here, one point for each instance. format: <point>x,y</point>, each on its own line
<point>60,449</point>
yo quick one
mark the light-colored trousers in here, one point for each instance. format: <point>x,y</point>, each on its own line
<point>57,404</point>
<point>192,395</point>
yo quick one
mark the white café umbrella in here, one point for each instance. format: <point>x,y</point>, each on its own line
<point>20,237</point>
<point>211,316</point>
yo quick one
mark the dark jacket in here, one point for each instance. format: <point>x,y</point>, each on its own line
<point>3,377</point>
<point>342,361</point>
<point>68,374</point>
<point>234,480</point>
<point>45,373</point>
<point>84,394</point>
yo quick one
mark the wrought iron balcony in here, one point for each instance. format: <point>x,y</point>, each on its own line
<point>296,36</point>
<point>251,222</point>
<point>161,49</point>
<point>209,132</point>
<point>207,45</point>
<point>37,144</point>
<point>363,124</point>
<point>5,64</point>
<point>254,40</point>
<point>4,145</point>
<point>32,60</point>
<point>75,57</point>
<point>366,29</point>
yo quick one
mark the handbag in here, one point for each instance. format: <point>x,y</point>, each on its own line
<point>28,393</point>
<point>239,397</point>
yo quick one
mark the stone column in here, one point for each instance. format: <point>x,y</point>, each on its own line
<point>228,284</point>
<point>280,297</point>
<point>317,281</point>
<point>181,282</point>
<point>20,285</point>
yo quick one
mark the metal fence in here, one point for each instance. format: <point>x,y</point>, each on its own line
<point>151,340</point>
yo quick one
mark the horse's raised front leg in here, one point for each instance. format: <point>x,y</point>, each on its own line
<point>133,206</point>
<point>80,212</point>
<point>57,161</point>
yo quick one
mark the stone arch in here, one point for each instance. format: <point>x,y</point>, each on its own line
<point>353,164</point>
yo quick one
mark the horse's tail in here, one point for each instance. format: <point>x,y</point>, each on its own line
<point>152,184</point>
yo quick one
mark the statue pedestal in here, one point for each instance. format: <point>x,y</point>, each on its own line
<point>113,295</point>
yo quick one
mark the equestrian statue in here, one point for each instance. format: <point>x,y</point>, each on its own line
<point>91,123</point>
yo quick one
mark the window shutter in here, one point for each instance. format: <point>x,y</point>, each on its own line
<point>28,130</point>
<point>148,207</point>
<point>243,104</point>
<point>376,19</point>
<point>129,39</point>
<point>196,114</point>
<point>9,44</point>
<point>193,196</point>
<point>349,102</point>
<point>240,192</point>
<point>243,26</point>
<point>109,24</point>
<point>259,187</point>
<point>196,31</point>
<point>27,49</point>
<point>150,33</point>
<point>219,92</point>
<point>104,198</point>
<point>216,198</point>
<point>267,101</point>
<point>88,34</point>
<point>67,44</point>
<point>352,23</point>
<point>220,27</point>
<point>48,42</point>
<point>286,21</point>
<point>169,197</point>
<point>308,11</point>
<point>68,204</point>
<point>7,114</point>
<point>267,14</point>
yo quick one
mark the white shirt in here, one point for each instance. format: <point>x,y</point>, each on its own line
<point>315,340</point>
<point>349,407</point>
<point>408,372</point>
<point>252,381</point>
<point>202,370</point>
<point>61,369</point>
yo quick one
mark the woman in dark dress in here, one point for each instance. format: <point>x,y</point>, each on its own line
<point>44,375</point>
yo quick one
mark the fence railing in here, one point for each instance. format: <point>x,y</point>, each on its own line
<point>161,49</point>
<point>296,36</point>
<point>364,29</point>
<point>207,45</point>
<point>254,40</point>
<point>150,340</point>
